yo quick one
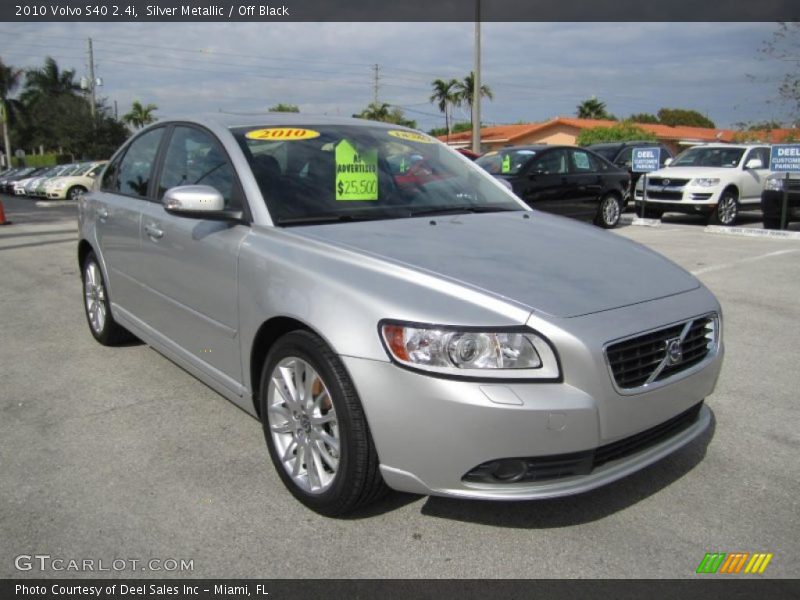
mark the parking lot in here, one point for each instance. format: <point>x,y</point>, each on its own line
<point>119,453</point>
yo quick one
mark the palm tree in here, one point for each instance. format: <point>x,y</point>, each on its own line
<point>9,107</point>
<point>47,82</point>
<point>375,112</point>
<point>465,91</point>
<point>446,97</point>
<point>140,115</point>
<point>592,108</point>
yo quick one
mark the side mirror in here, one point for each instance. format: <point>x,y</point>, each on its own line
<point>754,163</point>
<point>668,162</point>
<point>198,202</point>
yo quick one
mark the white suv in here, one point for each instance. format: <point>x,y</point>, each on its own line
<point>715,180</point>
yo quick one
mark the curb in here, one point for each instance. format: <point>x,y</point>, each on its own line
<point>645,222</point>
<point>54,203</point>
<point>749,232</point>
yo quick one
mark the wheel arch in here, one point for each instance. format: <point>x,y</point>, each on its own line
<point>731,187</point>
<point>268,333</point>
<point>84,248</point>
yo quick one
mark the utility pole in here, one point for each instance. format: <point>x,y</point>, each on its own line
<point>376,68</point>
<point>476,89</point>
<point>92,81</point>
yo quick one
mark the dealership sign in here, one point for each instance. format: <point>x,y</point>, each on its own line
<point>785,157</point>
<point>645,160</point>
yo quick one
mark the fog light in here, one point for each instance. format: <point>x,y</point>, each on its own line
<point>509,470</point>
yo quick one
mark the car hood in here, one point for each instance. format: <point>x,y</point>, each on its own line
<point>549,264</point>
<point>691,172</point>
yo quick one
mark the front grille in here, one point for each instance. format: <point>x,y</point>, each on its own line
<point>671,182</point>
<point>654,195</point>
<point>645,358</point>
<point>559,466</point>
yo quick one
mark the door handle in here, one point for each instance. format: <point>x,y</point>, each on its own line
<point>102,214</point>
<point>153,232</point>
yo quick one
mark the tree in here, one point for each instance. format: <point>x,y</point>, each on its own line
<point>381,112</point>
<point>9,107</point>
<point>48,82</point>
<point>465,90</point>
<point>445,96</point>
<point>683,116</point>
<point>783,46</point>
<point>643,118</point>
<point>621,132</point>
<point>593,108</point>
<point>140,115</point>
<point>281,107</point>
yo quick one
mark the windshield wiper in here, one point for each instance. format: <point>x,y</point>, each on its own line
<point>460,210</point>
<point>326,218</point>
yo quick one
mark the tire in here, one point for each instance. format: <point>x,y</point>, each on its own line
<point>726,211</point>
<point>608,212</point>
<point>75,192</point>
<point>331,426</point>
<point>772,222</point>
<point>649,212</point>
<point>97,306</point>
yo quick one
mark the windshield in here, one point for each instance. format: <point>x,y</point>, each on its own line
<point>332,173</point>
<point>709,157</point>
<point>506,162</point>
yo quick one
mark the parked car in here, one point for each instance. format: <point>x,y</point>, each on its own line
<point>714,180</point>
<point>71,186</point>
<point>772,199</point>
<point>40,191</point>
<point>434,337</point>
<point>31,183</point>
<point>18,187</point>
<point>621,154</point>
<point>564,180</point>
<point>7,185</point>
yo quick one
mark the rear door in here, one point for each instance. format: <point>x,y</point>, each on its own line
<point>117,210</point>
<point>545,184</point>
<point>192,263</point>
<point>586,177</point>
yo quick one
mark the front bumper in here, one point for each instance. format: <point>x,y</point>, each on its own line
<point>681,198</point>
<point>431,432</point>
<point>56,194</point>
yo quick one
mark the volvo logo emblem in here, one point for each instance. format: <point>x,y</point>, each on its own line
<point>674,351</point>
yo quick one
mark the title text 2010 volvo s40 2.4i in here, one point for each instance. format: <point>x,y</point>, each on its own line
<point>392,314</point>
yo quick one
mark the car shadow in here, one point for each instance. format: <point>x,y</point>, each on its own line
<point>581,508</point>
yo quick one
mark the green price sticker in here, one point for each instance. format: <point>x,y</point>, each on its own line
<point>506,164</point>
<point>356,173</point>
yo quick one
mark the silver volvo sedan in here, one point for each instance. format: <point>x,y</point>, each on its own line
<point>394,316</point>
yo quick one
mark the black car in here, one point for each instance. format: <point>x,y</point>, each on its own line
<point>620,153</point>
<point>565,180</point>
<point>772,199</point>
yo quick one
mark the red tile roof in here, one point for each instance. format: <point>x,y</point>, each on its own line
<point>511,133</point>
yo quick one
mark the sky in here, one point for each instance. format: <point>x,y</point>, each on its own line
<point>536,70</point>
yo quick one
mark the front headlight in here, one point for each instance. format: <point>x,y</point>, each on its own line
<point>774,184</point>
<point>705,181</point>
<point>467,352</point>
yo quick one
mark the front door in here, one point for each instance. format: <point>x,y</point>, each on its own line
<point>192,263</point>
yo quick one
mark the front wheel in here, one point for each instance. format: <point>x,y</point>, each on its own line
<point>608,212</point>
<point>315,428</point>
<point>75,192</point>
<point>726,211</point>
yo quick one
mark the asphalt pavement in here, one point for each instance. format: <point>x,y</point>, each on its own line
<point>118,453</point>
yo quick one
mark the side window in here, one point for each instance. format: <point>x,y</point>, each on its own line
<point>195,157</point>
<point>553,162</point>
<point>582,162</point>
<point>624,158</point>
<point>131,175</point>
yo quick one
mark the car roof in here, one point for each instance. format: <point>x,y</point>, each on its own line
<point>232,120</point>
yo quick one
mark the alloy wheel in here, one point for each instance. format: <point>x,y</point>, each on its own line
<point>95,297</point>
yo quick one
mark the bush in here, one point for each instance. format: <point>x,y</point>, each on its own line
<point>624,132</point>
<point>42,160</point>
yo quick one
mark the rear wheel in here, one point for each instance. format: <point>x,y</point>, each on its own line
<point>772,222</point>
<point>315,428</point>
<point>98,307</point>
<point>608,212</point>
<point>727,209</point>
